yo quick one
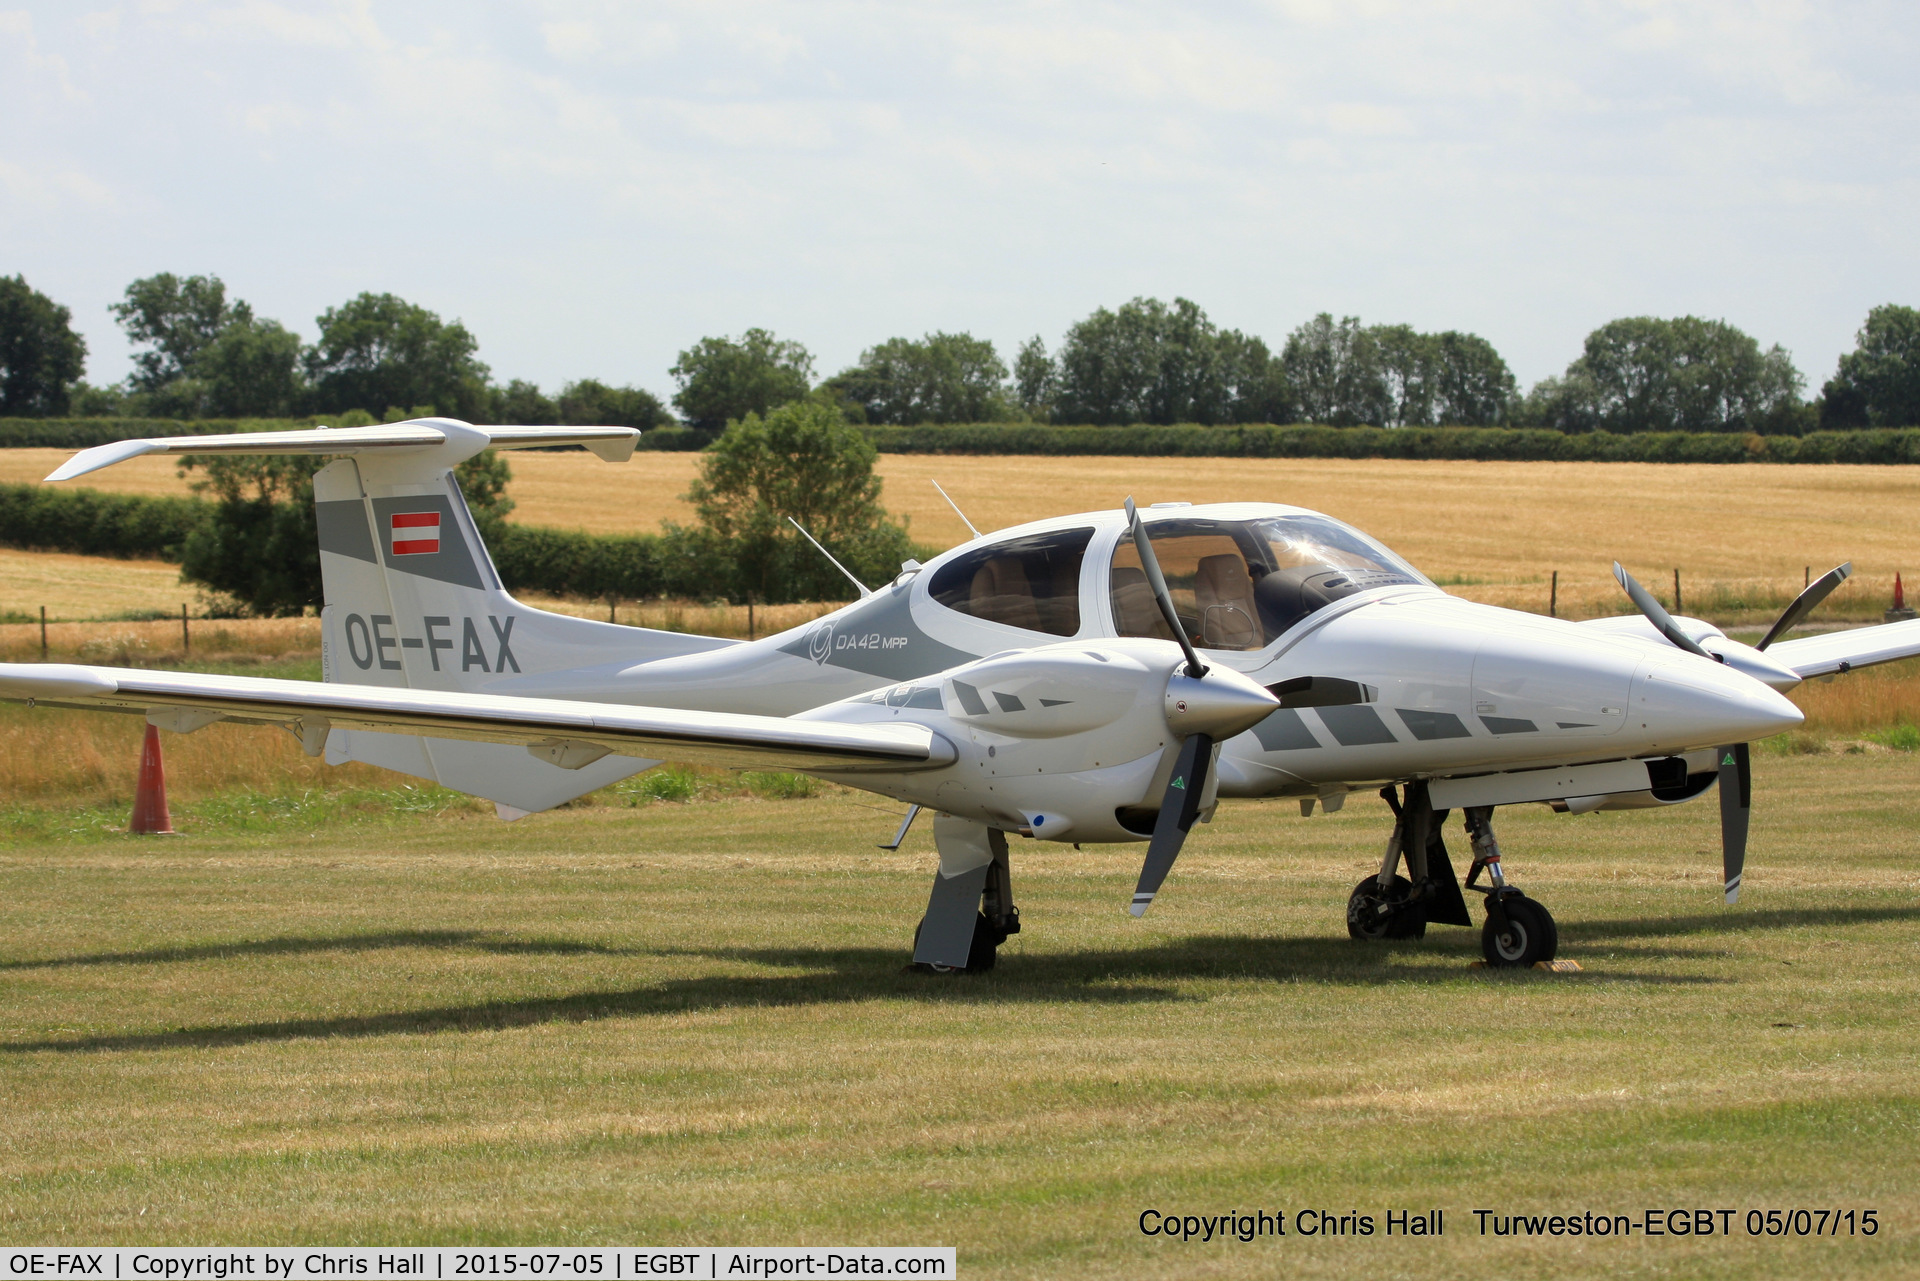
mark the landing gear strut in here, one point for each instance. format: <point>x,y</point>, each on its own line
<point>970,912</point>
<point>1519,931</point>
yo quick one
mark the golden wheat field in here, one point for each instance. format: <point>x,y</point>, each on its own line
<point>1743,537</point>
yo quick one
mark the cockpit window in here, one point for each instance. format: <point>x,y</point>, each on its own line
<point>1239,584</point>
<point>1031,582</point>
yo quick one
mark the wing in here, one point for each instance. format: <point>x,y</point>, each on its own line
<point>567,733</point>
<point>1833,652</point>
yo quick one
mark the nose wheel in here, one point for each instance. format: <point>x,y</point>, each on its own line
<point>1519,932</point>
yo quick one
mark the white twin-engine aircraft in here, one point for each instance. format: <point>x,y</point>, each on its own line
<point>1099,677</point>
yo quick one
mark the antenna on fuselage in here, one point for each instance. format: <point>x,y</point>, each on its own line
<point>865,591</point>
<point>956,508</point>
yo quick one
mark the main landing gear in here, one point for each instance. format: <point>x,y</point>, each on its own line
<point>1518,930</point>
<point>970,912</point>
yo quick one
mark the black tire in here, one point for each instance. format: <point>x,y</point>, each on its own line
<point>981,954</point>
<point>1365,920</point>
<point>1530,936</point>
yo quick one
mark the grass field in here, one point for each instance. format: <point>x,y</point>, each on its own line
<point>688,1023</point>
<point>1742,536</point>
<point>345,1008</point>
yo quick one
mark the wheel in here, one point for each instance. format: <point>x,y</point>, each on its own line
<point>981,954</point>
<point>1372,915</point>
<point>1530,935</point>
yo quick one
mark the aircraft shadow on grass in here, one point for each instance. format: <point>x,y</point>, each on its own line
<point>815,976</point>
<point>472,940</point>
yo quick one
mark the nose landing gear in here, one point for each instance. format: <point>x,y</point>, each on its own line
<point>1519,931</point>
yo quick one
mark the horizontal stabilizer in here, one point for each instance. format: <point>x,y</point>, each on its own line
<point>615,444</point>
<point>565,732</point>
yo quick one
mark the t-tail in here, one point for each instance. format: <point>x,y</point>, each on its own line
<point>412,598</point>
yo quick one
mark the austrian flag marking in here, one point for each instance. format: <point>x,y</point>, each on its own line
<point>416,533</point>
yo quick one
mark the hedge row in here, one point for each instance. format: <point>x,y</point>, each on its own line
<point>1257,441</point>
<point>1485,443</point>
<point>629,566</point>
<point>95,523</point>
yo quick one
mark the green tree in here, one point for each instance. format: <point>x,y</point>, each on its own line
<point>1034,379</point>
<point>941,378</point>
<point>1407,363</point>
<point>1644,373</point>
<point>723,379</point>
<point>206,355</point>
<point>522,403</point>
<point>1150,362</point>
<point>380,350</point>
<point>98,402</point>
<point>41,357</point>
<point>592,403</point>
<point>178,318</point>
<point>1472,386</point>
<point>1878,382</point>
<point>259,549</point>
<point>802,460</point>
<point>1430,380</point>
<point>251,369</point>
<point>1335,372</point>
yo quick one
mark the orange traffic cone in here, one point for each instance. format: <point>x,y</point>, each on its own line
<point>150,817</point>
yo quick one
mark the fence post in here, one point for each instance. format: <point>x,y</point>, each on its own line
<point>749,615</point>
<point>1678,608</point>
<point>1553,597</point>
<point>186,637</point>
<point>43,633</point>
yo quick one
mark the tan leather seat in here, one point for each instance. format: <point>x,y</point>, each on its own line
<point>1000,593</point>
<point>1223,593</point>
<point>1135,612</point>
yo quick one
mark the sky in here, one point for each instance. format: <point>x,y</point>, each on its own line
<point>592,187</point>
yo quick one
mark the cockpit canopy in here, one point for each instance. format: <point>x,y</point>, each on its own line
<point>1236,584</point>
<point>1239,584</point>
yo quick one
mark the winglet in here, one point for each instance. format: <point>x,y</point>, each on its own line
<point>104,456</point>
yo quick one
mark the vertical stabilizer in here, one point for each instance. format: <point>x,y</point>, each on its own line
<point>413,601</point>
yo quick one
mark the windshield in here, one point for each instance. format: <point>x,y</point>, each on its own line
<point>1239,584</point>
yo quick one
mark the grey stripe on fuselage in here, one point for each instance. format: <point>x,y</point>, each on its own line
<point>1284,731</point>
<point>878,637</point>
<point>1428,726</point>
<point>1355,725</point>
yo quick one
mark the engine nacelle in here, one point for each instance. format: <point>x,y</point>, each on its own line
<point>1054,742</point>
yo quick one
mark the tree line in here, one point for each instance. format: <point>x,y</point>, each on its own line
<point>200,354</point>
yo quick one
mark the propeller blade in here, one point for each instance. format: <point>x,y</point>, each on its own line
<point>1656,612</point>
<point>1736,799</point>
<point>1178,810</point>
<point>1151,564</point>
<point>1804,603</point>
